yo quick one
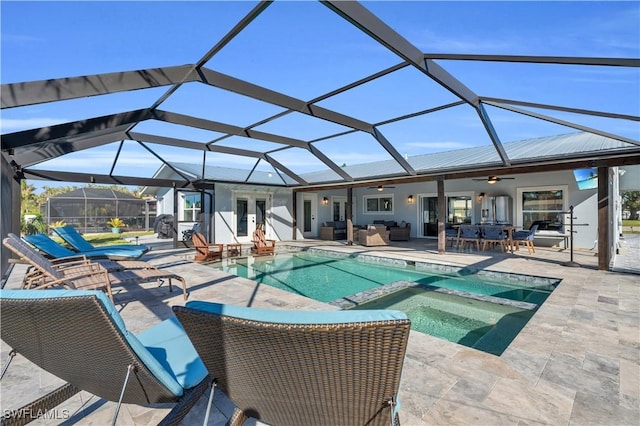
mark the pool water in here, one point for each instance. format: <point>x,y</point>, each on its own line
<point>481,325</point>
<point>326,278</point>
<point>463,308</point>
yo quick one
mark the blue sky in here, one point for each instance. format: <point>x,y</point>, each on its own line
<point>304,50</point>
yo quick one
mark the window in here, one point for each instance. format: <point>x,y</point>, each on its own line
<point>191,207</point>
<point>459,209</point>
<point>544,207</point>
<point>378,204</point>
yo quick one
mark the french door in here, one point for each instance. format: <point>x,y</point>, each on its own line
<point>250,212</point>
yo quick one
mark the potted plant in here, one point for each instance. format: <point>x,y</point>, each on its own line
<point>116,223</point>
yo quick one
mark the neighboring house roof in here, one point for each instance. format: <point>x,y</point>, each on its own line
<point>96,193</point>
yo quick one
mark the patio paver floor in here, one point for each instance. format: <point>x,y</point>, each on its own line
<point>576,362</point>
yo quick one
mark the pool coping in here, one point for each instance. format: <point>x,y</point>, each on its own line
<point>357,299</point>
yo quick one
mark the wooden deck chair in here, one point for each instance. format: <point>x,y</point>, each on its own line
<point>84,276</point>
<point>262,245</point>
<point>205,251</point>
<point>301,367</point>
<point>80,337</point>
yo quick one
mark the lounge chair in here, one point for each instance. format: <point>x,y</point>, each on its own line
<point>301,368</point>
<point>80,337</point>
<point>72,237</point>
<point>56,251</point>
<point>84,276</point>
<point>205,251</point>
<point>261,245</point>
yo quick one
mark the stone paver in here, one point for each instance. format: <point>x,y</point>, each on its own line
<point>577,361</point>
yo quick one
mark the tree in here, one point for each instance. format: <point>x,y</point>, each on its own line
<point>631,202</point>
<point>30,204</point>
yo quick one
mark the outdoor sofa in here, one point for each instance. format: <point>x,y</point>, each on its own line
<point>332,231</point>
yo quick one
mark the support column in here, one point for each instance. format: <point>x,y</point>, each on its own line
<point>11,196</point>
<point>294,215</point>
<point>175,217</point>
<point>349,216</point>
<point>604,246</point>
<point>442,217</point>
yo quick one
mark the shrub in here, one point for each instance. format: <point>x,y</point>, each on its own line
<point>33,226</point>
<point>116,222</point>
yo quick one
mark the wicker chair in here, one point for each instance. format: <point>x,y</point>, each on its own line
<point>301,368</point>
<point>374,235</point>
<point>72,237</point>
<point>83,276</point>
<point>80,337</point>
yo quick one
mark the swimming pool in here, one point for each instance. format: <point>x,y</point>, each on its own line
<point>483,311</point>
<point>489,327</point>
<point>327,278</point>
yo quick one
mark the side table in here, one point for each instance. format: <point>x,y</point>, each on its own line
<point>234,250</point>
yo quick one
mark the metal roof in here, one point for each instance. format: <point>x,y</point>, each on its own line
<point>265,142</point>
<point>526,151</point>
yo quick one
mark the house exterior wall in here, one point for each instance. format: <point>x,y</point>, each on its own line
<point>279,214</point>
<point>224,219</point>
<point>583,201</point>
<point>279,208</point>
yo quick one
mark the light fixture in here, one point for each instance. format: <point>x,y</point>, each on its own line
<point>325,201</point>
<point>492,180</point>
<point>481,196</point>
<point>380,188</point>
<point>410,199</point>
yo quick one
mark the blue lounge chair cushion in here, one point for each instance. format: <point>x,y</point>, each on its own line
<point>296,317</point>
<point>52,248</point>
<point>171,347</point>
<point>77,241</point>
<point>164,362</point>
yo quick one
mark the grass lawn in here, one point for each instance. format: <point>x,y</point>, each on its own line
<point>630,226</point>
<point>106,239</point>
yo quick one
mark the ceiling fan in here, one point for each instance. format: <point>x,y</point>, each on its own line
<point>380,187</point>
<point>493,179</point>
